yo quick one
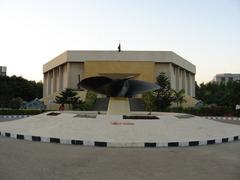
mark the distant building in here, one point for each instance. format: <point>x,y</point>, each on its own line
<point>3,70</point>
<point>226,77</point>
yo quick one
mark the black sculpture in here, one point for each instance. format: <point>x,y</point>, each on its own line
<point>126,87</point>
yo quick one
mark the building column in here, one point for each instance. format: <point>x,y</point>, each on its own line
<point>177,79</point>
<point>48,83</point>
<point>185,82</point>
<point>190,84</point>
<point>54,80</point>
<point>51,79</point>
<point>194,88</point>
<point>44,84</point>
<point>172,76</point>
<point>60,78</point>
<point>68,76</point>
<point>180,79</point>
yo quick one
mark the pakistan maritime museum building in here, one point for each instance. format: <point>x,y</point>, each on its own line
<point>68,68</point>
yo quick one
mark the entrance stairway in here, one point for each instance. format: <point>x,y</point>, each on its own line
<point>136,104</point>
<point>101,104</point>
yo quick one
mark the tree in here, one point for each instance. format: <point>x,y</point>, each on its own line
<point>224,94</point>
<point>68,96</point>
<point>13,87</point>
<point>149,101</point>
<point>164,95</point>
<point>15,103</point>
<point>179,97</point>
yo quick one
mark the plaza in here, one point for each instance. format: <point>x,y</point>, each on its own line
<point>92,129</point>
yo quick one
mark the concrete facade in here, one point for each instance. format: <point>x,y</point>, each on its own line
<point>65,70</point>
<point>224,78</point>
<point>3,70</point>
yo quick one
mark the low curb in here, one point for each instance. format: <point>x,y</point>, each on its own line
<point>14,116</point>
<point>116,144</point>
<point>223,118</point>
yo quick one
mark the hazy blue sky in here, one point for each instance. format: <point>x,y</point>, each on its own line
<point>205,32</point>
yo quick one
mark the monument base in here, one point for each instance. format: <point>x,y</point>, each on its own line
<point>118,106</point>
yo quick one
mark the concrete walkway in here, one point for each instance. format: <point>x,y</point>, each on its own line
<point>113,131</point>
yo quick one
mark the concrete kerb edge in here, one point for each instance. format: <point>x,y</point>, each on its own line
<point>14,116</point>
<point>222,118</point>
<point>119,144</point>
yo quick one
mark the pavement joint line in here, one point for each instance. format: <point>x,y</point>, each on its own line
<point>113,144</point>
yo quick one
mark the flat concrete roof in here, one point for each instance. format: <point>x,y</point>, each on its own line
<point>155,56</point>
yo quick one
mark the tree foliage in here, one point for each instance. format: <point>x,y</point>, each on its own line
<point>179,97</point>
<point>14,87</point>
<point>164,95</point>
<point>224,94</point>
<point>15,103</point>
<point>149,100</point>
<point>68,96</point>
<point>161,98</point>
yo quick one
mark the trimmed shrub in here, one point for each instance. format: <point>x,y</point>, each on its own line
<point>20,112</point>
<point>205,111</point>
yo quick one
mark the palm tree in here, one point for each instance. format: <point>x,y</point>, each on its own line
<point>179,97</point>
<point>68,96</point>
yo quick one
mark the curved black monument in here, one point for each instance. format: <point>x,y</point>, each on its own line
<point>126,87</point>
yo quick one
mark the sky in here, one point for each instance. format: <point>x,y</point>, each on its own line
<point>205,32</point>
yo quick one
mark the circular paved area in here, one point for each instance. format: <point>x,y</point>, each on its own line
<point>113,131</point>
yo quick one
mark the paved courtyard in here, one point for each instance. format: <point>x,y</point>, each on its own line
<point>114,131</point>
<point>26,160</point>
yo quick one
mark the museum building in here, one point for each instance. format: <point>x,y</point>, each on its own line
<point>67,69</point>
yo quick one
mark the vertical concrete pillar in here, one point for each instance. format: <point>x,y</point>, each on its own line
<point>49,83</point>
<point>172,77</point>
<point>68,76</point>
<point>190,84</point>
<point>54,80</point>
<point>44,84</point>
<point>57,79</point>
<point>185,82</point>
<point>60,78</point>
<point>180,79</point>
<point>193,92</point>
<point>177,78</point>
<point>170,73</point>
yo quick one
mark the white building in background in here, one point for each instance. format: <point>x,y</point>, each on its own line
<point>226,77</point>
<point>3,70</point>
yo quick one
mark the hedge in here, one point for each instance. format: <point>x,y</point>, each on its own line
<point>205,111</point>
<point>20,112</point>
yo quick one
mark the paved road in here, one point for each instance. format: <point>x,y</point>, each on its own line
<point>229,121</point>
<point>25,160</point>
